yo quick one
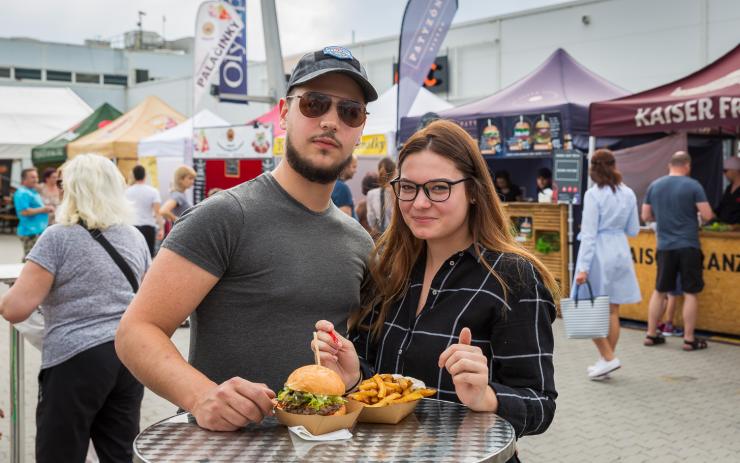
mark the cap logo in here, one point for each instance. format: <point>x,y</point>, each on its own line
<point>338,52</point>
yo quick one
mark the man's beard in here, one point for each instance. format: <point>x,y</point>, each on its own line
<point>310,172</point>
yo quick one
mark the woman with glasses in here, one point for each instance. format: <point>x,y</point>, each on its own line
<point>454,301</point>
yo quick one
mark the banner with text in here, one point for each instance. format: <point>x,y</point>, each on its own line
<point>423,29</point>
<point>217,26</point>
<point>232,83</point>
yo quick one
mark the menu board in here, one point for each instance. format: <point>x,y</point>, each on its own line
<point>567,172</point>
<point>523,135</point>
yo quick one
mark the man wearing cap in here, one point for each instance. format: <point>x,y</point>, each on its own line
<point>728,209</point>
<point>256,266</point>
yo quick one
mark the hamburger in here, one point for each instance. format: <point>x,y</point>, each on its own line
<point>313,390</point>
<point>542,132</point>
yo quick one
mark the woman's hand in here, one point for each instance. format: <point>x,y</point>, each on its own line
<point>337,353</point>
<point>469,370</point>
<point>581,278</point>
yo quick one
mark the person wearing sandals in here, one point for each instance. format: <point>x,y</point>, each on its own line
<point>673,202</point>
<point>604,259</point>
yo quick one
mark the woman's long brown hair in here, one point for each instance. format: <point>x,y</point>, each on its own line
<point>603,169</point>
<point>397,249</point>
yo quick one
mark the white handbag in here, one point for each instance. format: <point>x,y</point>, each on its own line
<point>586,318</point>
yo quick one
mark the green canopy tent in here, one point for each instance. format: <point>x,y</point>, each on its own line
<point>54,151</point>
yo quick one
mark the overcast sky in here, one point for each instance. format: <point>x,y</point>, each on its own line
<point>304,24</point>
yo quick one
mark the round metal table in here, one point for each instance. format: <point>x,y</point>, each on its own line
<point>436,431</point>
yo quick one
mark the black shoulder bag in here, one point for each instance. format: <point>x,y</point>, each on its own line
<point>117,258</point>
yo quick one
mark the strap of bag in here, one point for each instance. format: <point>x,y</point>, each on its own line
<point>382,209</point>
<point>117,258</point>
<point>590,293</point>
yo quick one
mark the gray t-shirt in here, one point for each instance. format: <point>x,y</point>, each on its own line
<point>89,293</point>
<point>182,202</point>
<point>673,199</point>
<point>281,266</point>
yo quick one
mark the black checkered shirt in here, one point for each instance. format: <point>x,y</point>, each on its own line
<point>514,334</point>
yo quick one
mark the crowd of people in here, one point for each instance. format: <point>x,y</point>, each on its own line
<point>421,277</point>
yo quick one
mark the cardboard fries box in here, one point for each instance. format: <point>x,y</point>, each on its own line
<point>317,424</point>
<point>389,414</point>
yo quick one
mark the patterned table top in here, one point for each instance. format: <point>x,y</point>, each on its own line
<point>436,431</point>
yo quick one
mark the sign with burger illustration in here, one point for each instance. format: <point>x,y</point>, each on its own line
<point>531,134</point>
<point>233,142</point>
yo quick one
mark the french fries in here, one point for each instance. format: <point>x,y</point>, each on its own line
<point>384,389</point>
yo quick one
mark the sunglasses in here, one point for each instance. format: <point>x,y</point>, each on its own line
<point>59,183</point>
<point>316,104</point>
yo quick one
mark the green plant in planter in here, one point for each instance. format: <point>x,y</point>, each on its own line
<point>547,243</point>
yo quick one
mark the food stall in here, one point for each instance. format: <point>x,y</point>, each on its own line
<point>702,112</point>
<point>119,140</point>
<point>520,128</point>
<point>164,152</point>
<point>53,153</point>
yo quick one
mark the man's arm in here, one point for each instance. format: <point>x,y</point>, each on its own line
<point>172,289</point>
<point>647,213</point>
<point>36,211</point>
<point>705,210</point>
<point>158,220</point>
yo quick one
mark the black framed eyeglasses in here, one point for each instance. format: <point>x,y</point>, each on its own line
<point>437,190</point>
<point>316,104</point>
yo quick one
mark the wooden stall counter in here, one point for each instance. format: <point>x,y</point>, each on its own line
<point>542,229</point>
<point>719,302</point>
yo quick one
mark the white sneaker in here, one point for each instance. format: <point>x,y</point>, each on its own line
<point>603,367</point>
<point>592,367</point>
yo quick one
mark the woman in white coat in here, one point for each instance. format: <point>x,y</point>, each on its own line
<point>604,258</point>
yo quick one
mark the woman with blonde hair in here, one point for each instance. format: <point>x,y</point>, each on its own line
<point>83,273</point>
<point>454,302</point>
<point>179,202</point>
<point>604,258</point>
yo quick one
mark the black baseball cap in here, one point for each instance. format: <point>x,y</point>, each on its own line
<point>331,59</point>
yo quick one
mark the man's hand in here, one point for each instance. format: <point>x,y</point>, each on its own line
<point>233,404</point>
<point>581,278</point>
<point>469,370</point>
<point>337,353</point>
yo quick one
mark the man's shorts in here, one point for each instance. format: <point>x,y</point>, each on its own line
<point>685,262</point>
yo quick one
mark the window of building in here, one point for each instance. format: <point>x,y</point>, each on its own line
<point>85,78</point>
<point>27,73</point>
<point>60,76</point>
<point>115,79</point>
<point>142,75</point>
<point>4,72</point>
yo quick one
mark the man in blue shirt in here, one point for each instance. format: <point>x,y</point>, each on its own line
<point>342,196</point>
<point>33,216</point>
<point>673,202</point>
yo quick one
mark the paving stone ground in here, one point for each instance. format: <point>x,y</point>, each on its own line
<point>664,405</point>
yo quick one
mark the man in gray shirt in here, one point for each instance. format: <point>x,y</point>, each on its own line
<point>673,202</point>
<point>259,264</point>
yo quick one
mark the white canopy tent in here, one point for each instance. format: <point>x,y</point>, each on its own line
<point>29,116</point>
<point>162,153</point>
<point>384,110</point>
<point>382,121</point>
